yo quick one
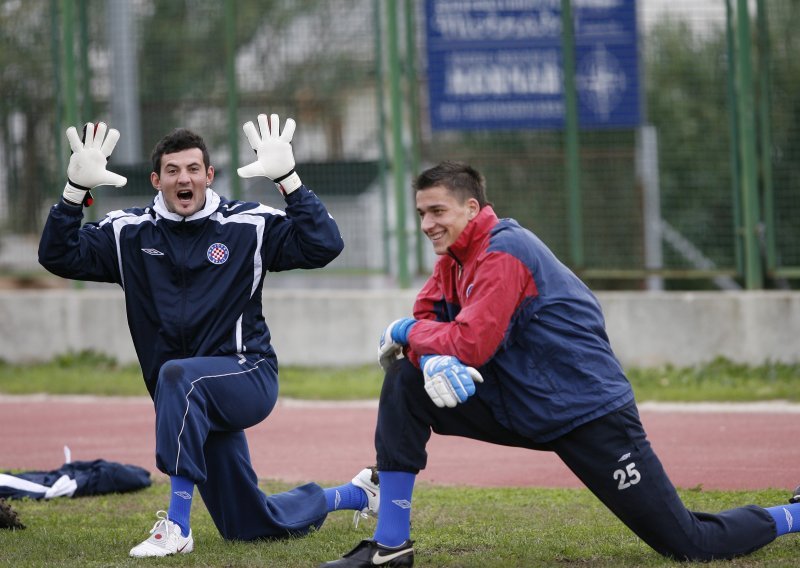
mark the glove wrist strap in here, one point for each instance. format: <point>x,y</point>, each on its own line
<point>77,185</point>
<point>289,182</point>
<point>77,195</point>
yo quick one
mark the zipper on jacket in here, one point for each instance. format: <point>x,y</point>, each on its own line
<point>182,234</point>
<point>458,262</point>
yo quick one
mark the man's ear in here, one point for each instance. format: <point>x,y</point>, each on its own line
<point>474,207</point>
<point>155,181</point>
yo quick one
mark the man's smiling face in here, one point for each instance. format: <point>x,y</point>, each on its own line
<point>443,216</point>
<point>183,180</point>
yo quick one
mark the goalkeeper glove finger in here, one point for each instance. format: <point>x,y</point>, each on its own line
<point>448,381</point>
<point>275,157</point>
<point>393,338</point>
<point>87,164</point>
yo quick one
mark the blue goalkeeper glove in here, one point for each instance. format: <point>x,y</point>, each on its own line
<point>447,380</point>
<point>393,338</point>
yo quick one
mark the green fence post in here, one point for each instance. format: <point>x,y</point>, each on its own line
<point>733,127</point>
<point>69,87</point>
<point>765,132</point>
<point>384,159</point>
<point>55,54</point>
<point>233,95</point>
<point>398,153</point>
<point>414,119</point>
<point>87,107</point>
<point>571,138</point>
<point>68,54</point>
<point>747,148</point>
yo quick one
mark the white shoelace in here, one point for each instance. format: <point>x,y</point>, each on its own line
<point>162,520</point>
<point>362,514</point>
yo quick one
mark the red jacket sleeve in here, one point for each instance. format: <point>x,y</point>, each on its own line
<point>430,296</point>
<point>500,285</point>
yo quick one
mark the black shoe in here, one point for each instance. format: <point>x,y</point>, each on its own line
<point>370,553</point>
<point>795,496</point>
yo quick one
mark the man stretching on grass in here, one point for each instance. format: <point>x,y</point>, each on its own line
<point>192,265</point>
<point>508,346</point>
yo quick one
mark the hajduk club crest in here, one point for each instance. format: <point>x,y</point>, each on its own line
<point>217,253</point>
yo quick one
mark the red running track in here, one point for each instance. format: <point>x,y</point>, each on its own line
<point>708,446</point>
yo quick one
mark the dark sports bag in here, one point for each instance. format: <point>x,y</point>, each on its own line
<point>75,479</point>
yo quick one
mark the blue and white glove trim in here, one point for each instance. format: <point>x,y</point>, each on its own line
<point>399,330</point>
<point>393,338</point>
<point>447,380</point>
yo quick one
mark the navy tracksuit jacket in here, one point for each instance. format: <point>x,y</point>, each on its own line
<point>193,299</point>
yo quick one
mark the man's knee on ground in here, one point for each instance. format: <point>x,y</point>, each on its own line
<point>684,549</point>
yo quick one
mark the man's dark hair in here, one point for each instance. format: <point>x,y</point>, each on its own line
<point>177,140</point>
<point>461,179</point>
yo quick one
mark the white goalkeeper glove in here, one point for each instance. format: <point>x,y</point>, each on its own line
<point>275,158</point>
<point>447,380</point>
<point>393,338</point>
<point>87,165</point>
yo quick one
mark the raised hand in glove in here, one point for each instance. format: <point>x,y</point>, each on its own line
<point>447,380</point>
<point>275,158</point>
<point>87,165</point>
<point>393,338</point>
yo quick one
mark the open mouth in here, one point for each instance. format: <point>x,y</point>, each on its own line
<point>185,195</point>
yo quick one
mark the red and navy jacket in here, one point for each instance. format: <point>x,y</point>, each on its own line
<point>500,301</point>
<point>192,284</point>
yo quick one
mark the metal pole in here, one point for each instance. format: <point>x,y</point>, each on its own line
<point>69,86</point>
<point>398,153</point>
<point>747,149</point>
<point>764,106</point>
<point>383,160</point>
<point>233,96</point>
<point>68,51</point>
<point>124,82</point>
<point>413,104</point>
<point>571,135</point>
<point>647,173</point>
<point>59,122</point>
<point>736,184</point>
<point>86,74</point>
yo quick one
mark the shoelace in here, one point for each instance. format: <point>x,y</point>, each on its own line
<point>162,520</point>
<point>362,514</point>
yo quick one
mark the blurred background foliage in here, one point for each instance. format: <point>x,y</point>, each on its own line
<point>328,65</point>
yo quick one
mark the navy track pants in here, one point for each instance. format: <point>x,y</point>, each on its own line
<point>610,455</point>
<point>203,405</point>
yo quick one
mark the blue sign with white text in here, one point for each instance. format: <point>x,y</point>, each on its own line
<point>497,64</point>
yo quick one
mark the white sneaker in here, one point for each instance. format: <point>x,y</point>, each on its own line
<point>165,539</point>
<point>367,480</point>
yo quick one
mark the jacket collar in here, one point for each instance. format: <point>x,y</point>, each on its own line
<point>211,205</point>
<point>474,233</point>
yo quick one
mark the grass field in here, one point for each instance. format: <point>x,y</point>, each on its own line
<point>452,526</point>
<point>719,380</point>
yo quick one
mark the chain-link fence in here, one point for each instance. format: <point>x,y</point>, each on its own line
<point>699,191</point>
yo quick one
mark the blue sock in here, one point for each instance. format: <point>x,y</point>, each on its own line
<point>787,518</point>
<point>346,496</point>
<point>180,503</point>
<point>394,519</point>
